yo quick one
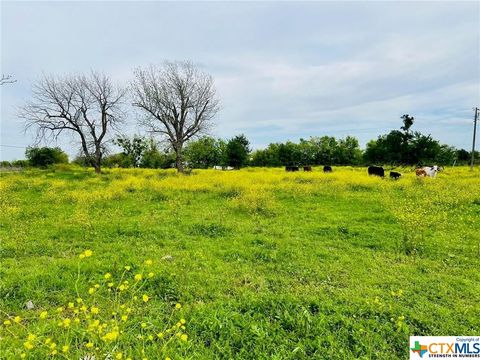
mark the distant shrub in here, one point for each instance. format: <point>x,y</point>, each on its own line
<point>20,163</point>
<point>45,156</point>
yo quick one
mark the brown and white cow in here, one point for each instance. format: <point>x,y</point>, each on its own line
<point>425,171</point>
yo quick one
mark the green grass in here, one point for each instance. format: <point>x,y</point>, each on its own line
<point>267,265</point>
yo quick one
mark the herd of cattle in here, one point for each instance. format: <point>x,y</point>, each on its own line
<point>425,171</point>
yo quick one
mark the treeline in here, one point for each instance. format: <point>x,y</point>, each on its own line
<point>394,148</point>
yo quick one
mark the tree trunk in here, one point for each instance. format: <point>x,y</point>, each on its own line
<point>179,159</point>
<point>98,161</point>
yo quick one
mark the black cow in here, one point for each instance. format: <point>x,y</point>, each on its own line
<point>395,175</point>
<point>307,168</point>
<point>291,168</point>
<point>327,169</point>
<point>376,170</point>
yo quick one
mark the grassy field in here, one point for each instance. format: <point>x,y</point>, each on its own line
<point>250,264</point>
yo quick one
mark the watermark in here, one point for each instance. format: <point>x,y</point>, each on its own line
<point>453,347</point>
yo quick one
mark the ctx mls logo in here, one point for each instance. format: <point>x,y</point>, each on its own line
<point>419,349</point>
<point>457,347</point>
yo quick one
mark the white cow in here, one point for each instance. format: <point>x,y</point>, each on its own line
<point>431,170</point>
<point>217,167</point>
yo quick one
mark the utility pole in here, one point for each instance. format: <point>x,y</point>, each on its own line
<point>474,133</point>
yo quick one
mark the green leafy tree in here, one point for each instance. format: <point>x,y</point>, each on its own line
<point>154,158</point>
<point>203,153</point>
<point>347,151</point>
<point>267,157</point>
<point>133,148</point>
<point>45,156</point>
<point>237,151</point>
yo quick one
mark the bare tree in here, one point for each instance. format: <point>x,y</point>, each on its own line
<point>178,101</point>
<point>89,107</point>
<point>7,79</point>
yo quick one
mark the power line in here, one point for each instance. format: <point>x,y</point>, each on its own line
<point>14,146</point>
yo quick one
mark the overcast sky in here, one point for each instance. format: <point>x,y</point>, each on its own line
<point>282,70</point>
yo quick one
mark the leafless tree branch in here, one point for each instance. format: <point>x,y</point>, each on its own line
<point>178,100</point>
<point>7,79</point>
<point>89,106</point>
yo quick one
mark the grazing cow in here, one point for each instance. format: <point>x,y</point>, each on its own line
<point>430,171</point>
<point>218,167</point>
<point>307,168</point>
<point>291,168</point>
<point>327,169</point>
<point>420,172</point>
<point>395,175</point>
<point>376,170</point>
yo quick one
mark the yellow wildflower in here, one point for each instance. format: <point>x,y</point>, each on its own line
<point>183,321</point>
<point>7,322</point>
<point>54,352</point>
<point>160,335</point>
<point>65,348</point>
<point>151,274</point>
<point>81,256</point>
<point>91,290</point>
<point>150,337</point>
<point>31,337</point>
<point>17,319</point>
<point>23,356</point>
<point>110,284</point>
<point>28,345</point>
<point>53,346</point>
<point>43,314</point>
<point>119,355</point>
<point>71,305</point>
<point>79,300</point>
<point>107,276</point>
<point>89,345</point>
<point>66,322</point>
<point>88,253</point>
<point>122,287</point>
<point>110,336</point>
<point>184,337</point>
<point>145,298</point>
<point>178,306</point>
<point>94,310</point>
<point>148,262</point>
<point>48,341</point>
<point>96,286</point>
<point>138,277</point>
<point>60,309</point>
<point>124,317</point>
<point>144,325</point>
<point>127,268</point>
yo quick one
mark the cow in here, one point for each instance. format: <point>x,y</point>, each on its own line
<point>376,170</point>
<point>291,168</point>
<point>327,169</point>
<point>430,171</point>
<point>420,172</point>
<point>307,168</point>
<point>218,167</point>
<point>395,175</point>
